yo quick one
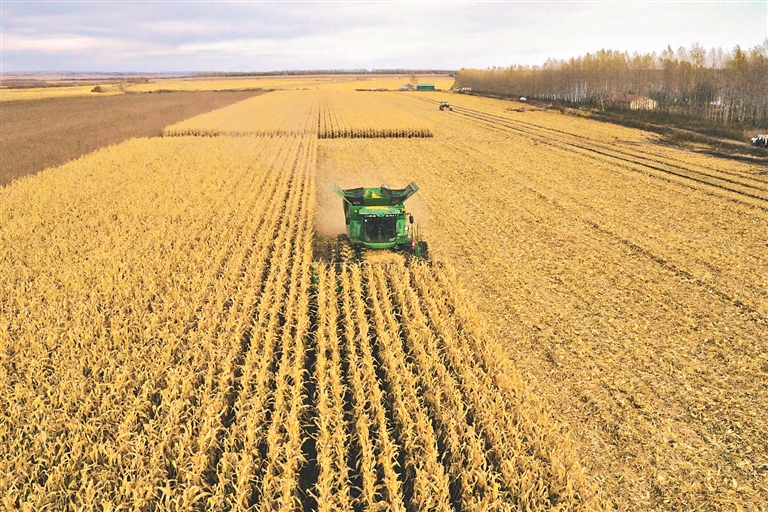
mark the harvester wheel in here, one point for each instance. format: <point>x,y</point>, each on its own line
<point>344,250</point>
<point>422,250</point>
<point>360,251</point>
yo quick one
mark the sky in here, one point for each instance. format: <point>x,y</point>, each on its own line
<point>184,36</point>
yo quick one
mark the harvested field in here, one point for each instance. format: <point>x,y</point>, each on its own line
<point>50,92</point>
<point>627,278</point>
<point>45,133</point>
<point>591,332</point>
<point>307,82</point>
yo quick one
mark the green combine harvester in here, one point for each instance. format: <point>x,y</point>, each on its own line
<point>376,219</point>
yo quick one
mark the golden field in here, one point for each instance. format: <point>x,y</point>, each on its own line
<point>194,356</point>
<point>327,114</point>
<point>268,83</point>
<point>627,278</point>
<point>590,333</point>
<point>344,114</point>
<point>39,93</point>
<point>344,82</point>
<point>275,114</point>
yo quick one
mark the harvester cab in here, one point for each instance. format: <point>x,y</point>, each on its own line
<point>444,105</point>
<point>376,219</point>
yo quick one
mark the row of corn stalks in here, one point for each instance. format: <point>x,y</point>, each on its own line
<point>202,350</point>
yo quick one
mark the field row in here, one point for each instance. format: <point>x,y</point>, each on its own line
<point>326,114</point>
<point>366,115</point>
<point>436,421</point>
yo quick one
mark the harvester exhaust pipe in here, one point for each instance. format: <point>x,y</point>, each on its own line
<point>413,238</point>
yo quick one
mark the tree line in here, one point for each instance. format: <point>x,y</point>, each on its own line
<point>717,86</point>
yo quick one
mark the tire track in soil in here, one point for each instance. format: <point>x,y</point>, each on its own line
<point>628,160</point>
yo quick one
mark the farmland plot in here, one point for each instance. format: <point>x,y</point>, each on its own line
<point>634,298</point>
<point>282,113</point>
<point>168,343</point>
<point>329,113</point>
<point>73,127</point>
<point>138,285</point>
<point>366,115</point>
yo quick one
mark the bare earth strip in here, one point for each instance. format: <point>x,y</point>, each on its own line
<point>46,133</point>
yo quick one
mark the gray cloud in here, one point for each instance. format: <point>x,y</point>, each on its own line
<point>259,36</point>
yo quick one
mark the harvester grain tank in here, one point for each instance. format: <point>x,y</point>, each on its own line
<point>376,219</point>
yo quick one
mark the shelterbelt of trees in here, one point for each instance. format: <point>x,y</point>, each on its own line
<point>720,86</point>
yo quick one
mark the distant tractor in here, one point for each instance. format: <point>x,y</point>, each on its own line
<point>445,106</point>
<point>760,141</point>
<point>376,219</point>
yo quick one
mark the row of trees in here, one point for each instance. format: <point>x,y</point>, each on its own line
<point>718,86</point>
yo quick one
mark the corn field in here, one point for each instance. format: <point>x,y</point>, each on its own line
<point>283,113</point>
<point>329,114</point>
<point>349,115</point>
<point>169,343</point>
<point>589,334</point>
<point>130,325</point>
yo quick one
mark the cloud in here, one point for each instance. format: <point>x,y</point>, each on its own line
<point>181,28</point>
<point>50,44</point>
<point>260,36</point>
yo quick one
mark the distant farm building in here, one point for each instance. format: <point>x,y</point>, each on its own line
<point>643,103</point>
<point>425,87</point>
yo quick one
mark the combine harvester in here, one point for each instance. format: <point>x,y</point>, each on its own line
<point>376,219</point>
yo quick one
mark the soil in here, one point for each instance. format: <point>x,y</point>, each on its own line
<point>44,133</point>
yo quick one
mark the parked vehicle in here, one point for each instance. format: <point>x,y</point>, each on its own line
<point>760,140</point>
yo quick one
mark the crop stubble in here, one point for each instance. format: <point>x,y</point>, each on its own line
<point>635,299</point>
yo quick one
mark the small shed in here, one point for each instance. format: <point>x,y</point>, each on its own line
<point>425,87</point>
